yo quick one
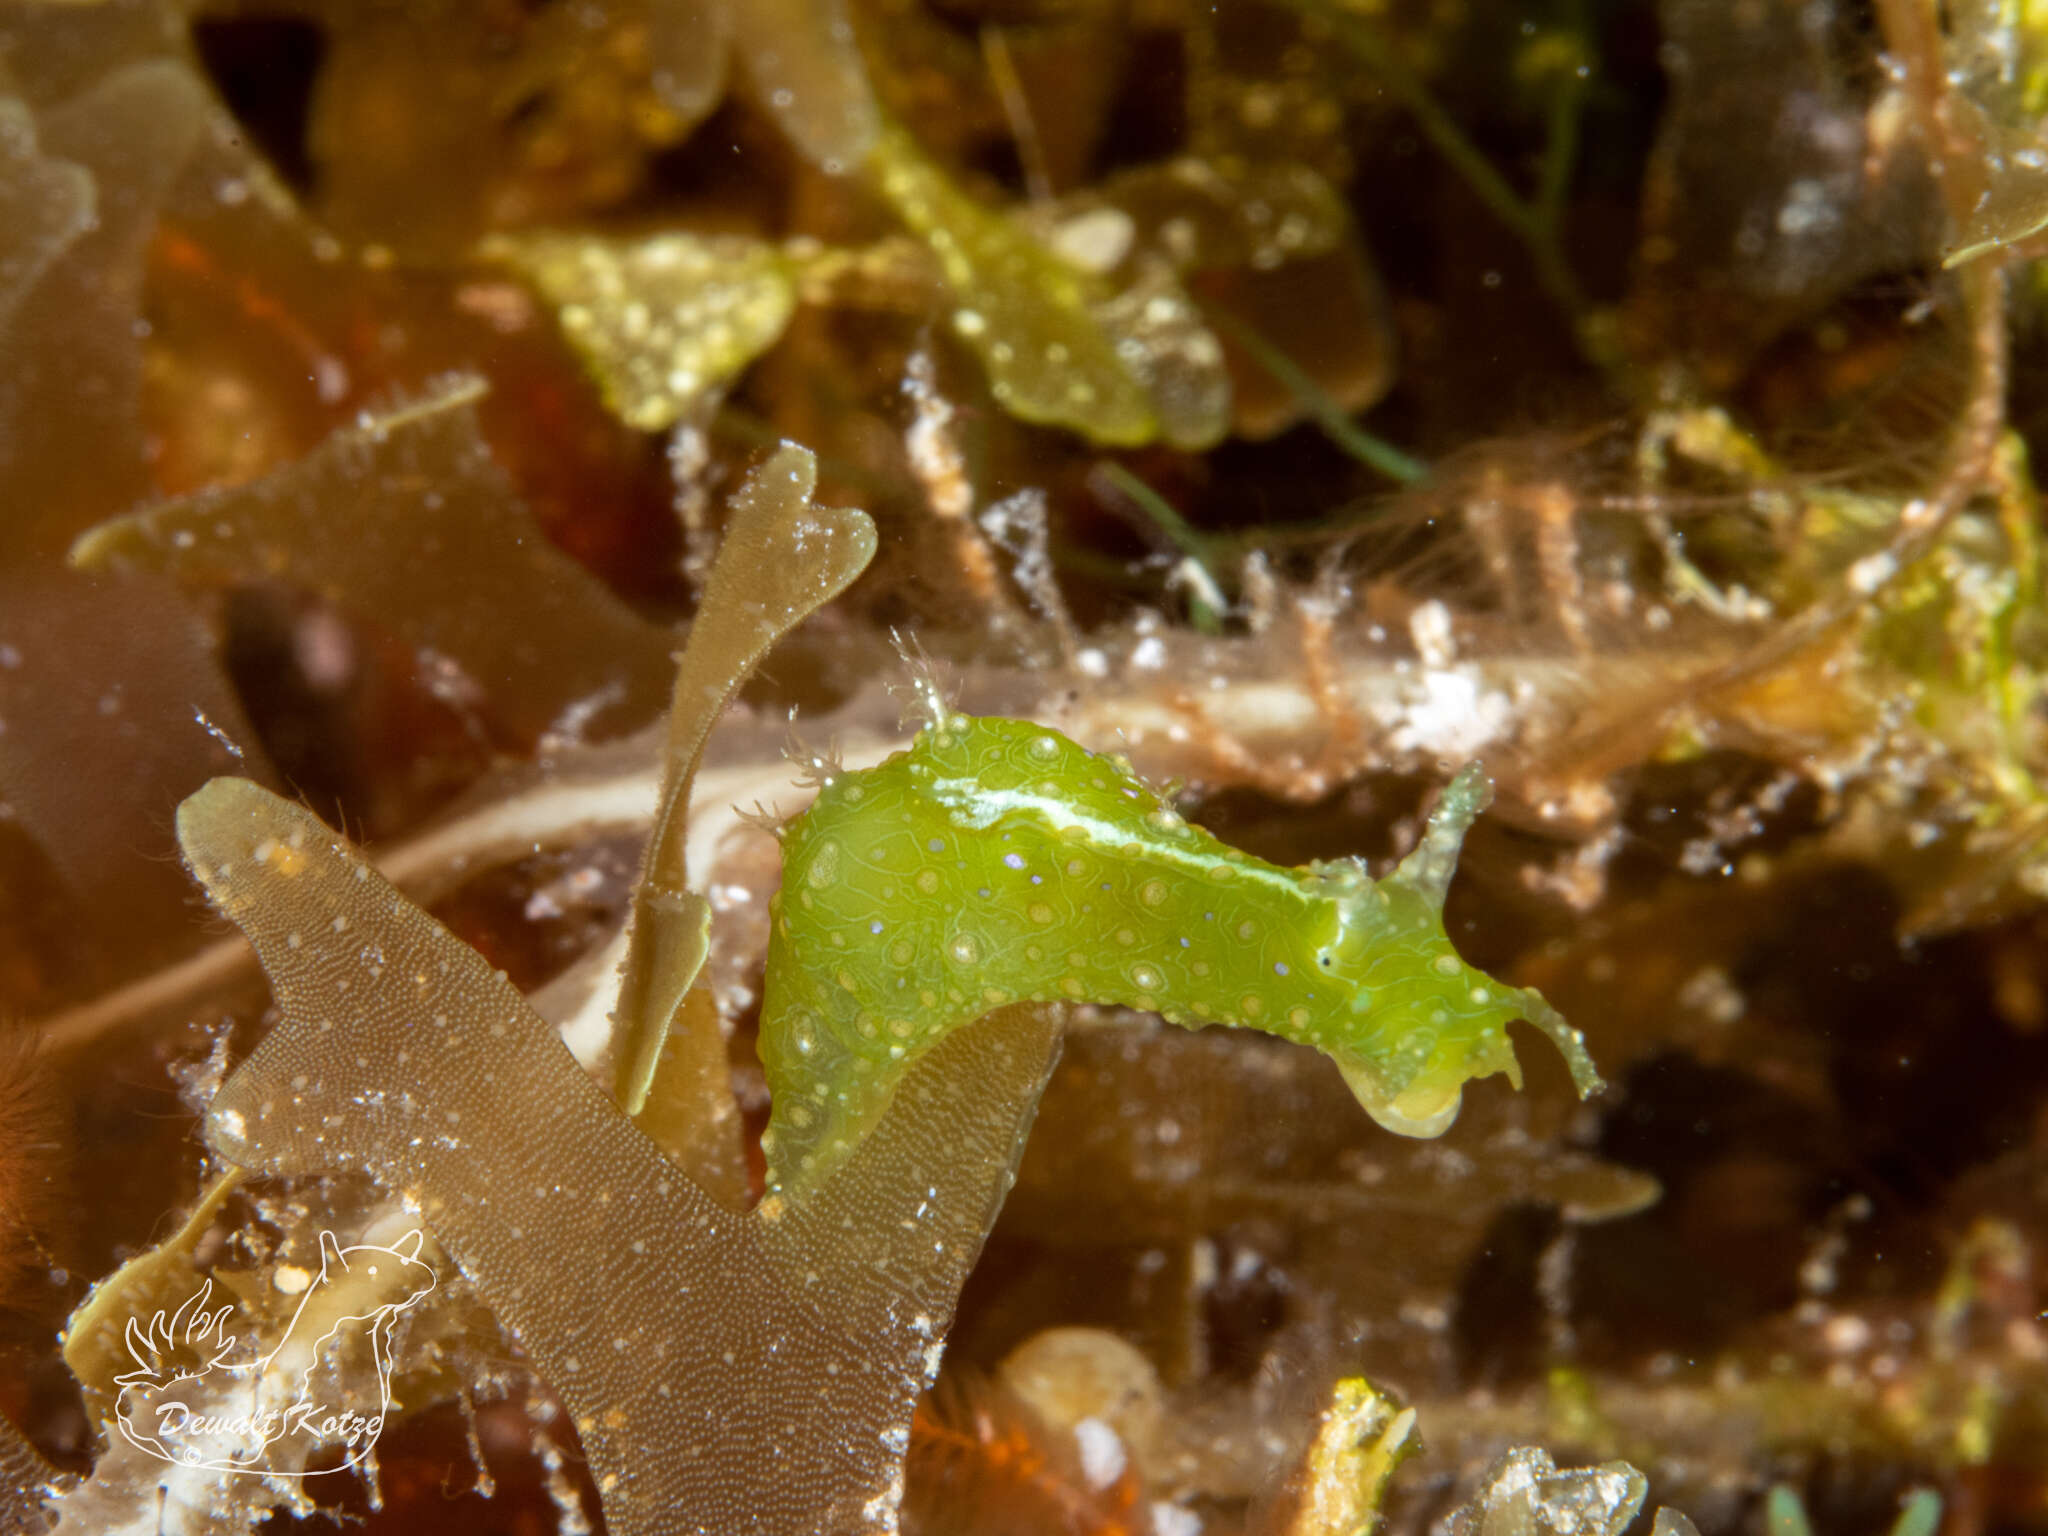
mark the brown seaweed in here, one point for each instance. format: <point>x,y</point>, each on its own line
<point>440,551</point>
<point>753,1372</point>
<point>782,559</point>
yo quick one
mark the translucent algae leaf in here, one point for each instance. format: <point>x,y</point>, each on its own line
<point>726,1373</point>
<point>799,57</point>
<point>1325,319</point>
<point>1162,341</point>
<point>997,862</point>
<point>1998,56</point>
<point>1738,245</point>
<point>426,129</point>
<point>111,709</point>
<point>109,692</point>
<point>71,446</point>
<point>1025,312</point>
<point>1276,1139</point>
<point>1203,214</point>
<point>805,69</point>
<point>1274,246</point>
<point>686,51</point>
<point>782,560</point>
<point>45,204</point>
<point>435,547</point>
<point>662,322</point>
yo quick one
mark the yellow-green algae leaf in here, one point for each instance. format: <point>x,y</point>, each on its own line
<point>1026,313</point>
<point>725,1373</point>
<point>663,322</point>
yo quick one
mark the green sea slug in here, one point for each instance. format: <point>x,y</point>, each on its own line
<point>996,861</point>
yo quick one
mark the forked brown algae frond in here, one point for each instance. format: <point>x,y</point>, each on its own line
<point>438,549</point>
<point>781,560</point>
<point>102,682</point>
<point>725,1372</point>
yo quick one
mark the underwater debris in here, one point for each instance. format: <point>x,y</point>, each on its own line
<point>1361,1440</point>
<point>25,1480</point>
<point>1525,1494</point>
<point>983,1460</point>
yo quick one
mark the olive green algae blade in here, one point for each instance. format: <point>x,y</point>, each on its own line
<point>781,560</point>
<point>726,1373</point>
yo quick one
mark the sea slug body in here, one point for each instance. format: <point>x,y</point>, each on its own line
<point>997,862</point>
